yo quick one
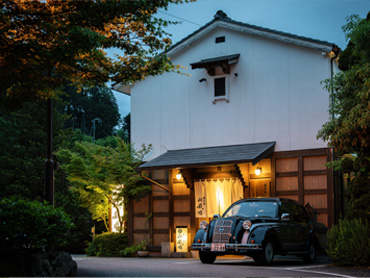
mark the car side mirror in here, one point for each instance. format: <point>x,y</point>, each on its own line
<point>216,216</point>
<point>285,217</point>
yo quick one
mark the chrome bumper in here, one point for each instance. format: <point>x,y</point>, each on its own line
<point>234,247</point>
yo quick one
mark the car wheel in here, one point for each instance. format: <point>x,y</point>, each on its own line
<point>207,258</point>
<point>311,256</point>
<point>266,256</point>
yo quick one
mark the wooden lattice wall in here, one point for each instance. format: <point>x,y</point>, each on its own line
<point>302,176</point>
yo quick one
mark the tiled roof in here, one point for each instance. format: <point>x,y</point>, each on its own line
<point>221,16</point>
<point>211,156</point>
<point>228,59</point>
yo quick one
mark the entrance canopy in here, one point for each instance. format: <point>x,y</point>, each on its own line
<point>211,63</point>
<point>191,158</point>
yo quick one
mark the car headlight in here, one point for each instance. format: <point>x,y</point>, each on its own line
<point>203,225</point>
<point>247,225</point>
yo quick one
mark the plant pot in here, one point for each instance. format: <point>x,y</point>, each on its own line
<point>143,253</point>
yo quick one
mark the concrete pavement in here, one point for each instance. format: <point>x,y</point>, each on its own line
<point>227,266</point>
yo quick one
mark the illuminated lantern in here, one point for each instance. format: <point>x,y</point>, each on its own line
<point>258,171</point>
<point>181,239</point>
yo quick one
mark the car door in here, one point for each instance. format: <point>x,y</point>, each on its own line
<point>306,227</point>
<point>287,231</point>
<point>301,226</point>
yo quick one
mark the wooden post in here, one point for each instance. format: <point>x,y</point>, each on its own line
<point>171,205</point>
<point>300,181</point>
<point>130,223</point>
<point>330,186</point>
<point>273,176</point>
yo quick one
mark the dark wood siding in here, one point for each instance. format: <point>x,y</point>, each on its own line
<point>302,176</point>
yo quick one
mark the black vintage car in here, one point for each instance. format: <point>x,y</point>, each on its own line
<point>259,228</point>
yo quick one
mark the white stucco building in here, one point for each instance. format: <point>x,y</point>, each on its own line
<point>248,98</point>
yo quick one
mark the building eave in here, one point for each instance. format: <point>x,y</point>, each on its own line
<point>124,89</point>
<point>254,30</point>
<point>208,156</point>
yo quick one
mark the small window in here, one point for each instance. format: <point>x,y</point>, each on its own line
<point>220,39</point>
<point>220,87</point>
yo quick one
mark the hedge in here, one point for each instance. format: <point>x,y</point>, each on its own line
<point>31,225</point>
<point>349,243</point>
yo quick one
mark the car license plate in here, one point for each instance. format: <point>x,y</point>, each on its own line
<point>218,247</point>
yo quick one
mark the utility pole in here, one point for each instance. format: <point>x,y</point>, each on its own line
<point>94,127</point>
<point>49,163</point>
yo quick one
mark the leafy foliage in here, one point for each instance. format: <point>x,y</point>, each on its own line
<point>359,189</point>
<point>69,201</point>
<point>125,131</point>
<point>108,245</point>
<point>30,225</point>
<point>104,175</point>
<point>349,243</point>
<point>132,250</point>
<point>94,103</point>
<point>22,156</point>
<point>47,44</point>
<point>113,245</point>
<point>349,130</point>
<point>23,149</point>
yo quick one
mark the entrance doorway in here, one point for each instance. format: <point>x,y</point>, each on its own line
<point>260,188</point>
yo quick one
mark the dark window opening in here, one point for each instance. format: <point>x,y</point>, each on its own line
<point>220,39</point>
<point>220,87</point>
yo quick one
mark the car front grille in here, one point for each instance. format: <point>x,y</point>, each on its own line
<point>222,231</point>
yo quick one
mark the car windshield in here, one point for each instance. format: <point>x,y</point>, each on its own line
<point>253,210</point>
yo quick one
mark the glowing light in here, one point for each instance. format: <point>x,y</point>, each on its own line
<point>178,176</point>
<point>117,213</point>
<point>258,171</point>
<point>181,239</point>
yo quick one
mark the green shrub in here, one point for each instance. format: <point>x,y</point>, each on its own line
<point>349,243</point>
<point>132,250</point>
<point>31,225</point>
<point>108,245</point>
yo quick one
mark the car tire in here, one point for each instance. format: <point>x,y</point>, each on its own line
<point>207,258</point>
<point>266,257</point>
<point>311,256</point>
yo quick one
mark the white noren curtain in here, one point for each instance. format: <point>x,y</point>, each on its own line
<point>215,196</point>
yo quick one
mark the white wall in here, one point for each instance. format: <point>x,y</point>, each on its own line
<point>277,96</point>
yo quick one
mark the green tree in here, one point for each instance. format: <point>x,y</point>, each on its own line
<point>104,175</point>
<point>349,130</point>
<point>22,149</point>
<point>98,103</point>
<point>30,225</point>
<point>22,153</point>
<point>125,130</point>
<point>45,44</point>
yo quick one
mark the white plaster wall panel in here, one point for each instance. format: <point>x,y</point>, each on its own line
<point>145,112</point>
<point>310,102</point>
<point>265,99</point>
<point>175,113</point>
<point>247,96</point>
<point>271,92</point>
<point>221,122</point>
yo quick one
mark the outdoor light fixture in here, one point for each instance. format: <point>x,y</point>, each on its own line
<point>181,239</point>
<point>178,176</point>
<point>258,171</point>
